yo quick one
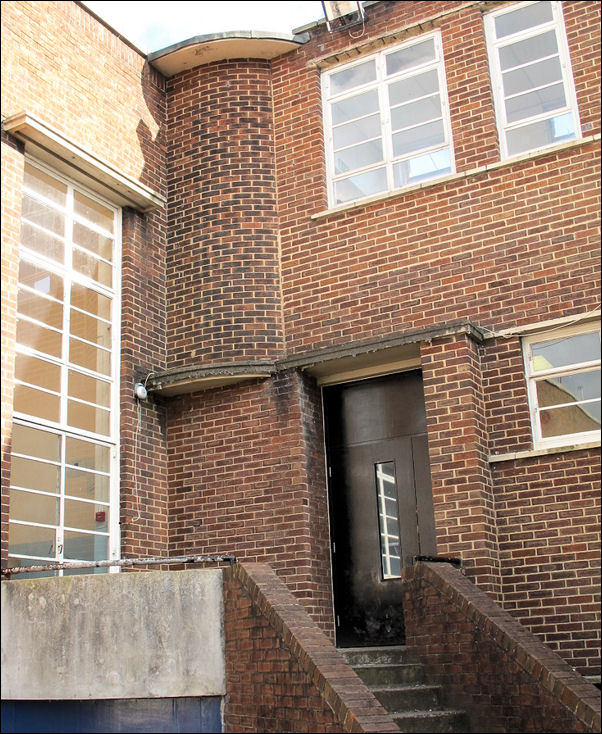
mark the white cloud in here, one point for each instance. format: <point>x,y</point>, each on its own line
<point>155,24</point>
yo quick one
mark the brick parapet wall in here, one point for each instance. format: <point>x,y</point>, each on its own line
<point>487,662</point>
<point>282,672</point>
<point>246,476</point>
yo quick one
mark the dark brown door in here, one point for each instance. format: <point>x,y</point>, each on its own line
<point>381,509</point>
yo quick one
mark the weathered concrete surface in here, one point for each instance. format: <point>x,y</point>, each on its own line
<point>129,635</point>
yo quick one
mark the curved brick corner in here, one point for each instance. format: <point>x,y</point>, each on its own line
<point>504,676</point>
<point>282,672</point>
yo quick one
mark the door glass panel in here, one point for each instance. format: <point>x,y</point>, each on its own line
<point>34,442</point>
<point>30,540</point>
<point>40,308</point>
<point>85,546</point>
<point>38,338</point>
<point>92,267</point>
<point>37,403</point>
<point>90,301</point>
<point>88,356</point>
<point>388,517</point>
<point>41,280</point>
<point>93,211</point>
<point>36,212</point>
<point>88,418</point>
<point>31,474</point>
<point>86,485</point>
<point>86,515</point>
<point>34,507</point>
<point>42,242</point>
<point>89,389</point>
<point>87,454</point>
<point>91,329</point>
<point>97,243</point>
<point>48,186</point>
<point>38,372</point>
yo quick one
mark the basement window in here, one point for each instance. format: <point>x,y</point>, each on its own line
<point>386,121</point>
<point>535,101</point>
<point>563,373</point>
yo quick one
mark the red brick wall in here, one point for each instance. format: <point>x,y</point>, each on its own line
<point>222,259</point>
<point>246,477</point>
<point>70,71</point>
<point>548,517</point>
<point>507,246</point>
<point>487,663</point>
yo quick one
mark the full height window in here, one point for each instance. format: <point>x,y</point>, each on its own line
<point>63,499</point>
<point>531,75</point>
<point>563,371</point>
<point>387,121</point>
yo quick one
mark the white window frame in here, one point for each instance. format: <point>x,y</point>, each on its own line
<point>61,428</point>
<point>493,46</point>
<point>381,83</point>
<point>533,377</point>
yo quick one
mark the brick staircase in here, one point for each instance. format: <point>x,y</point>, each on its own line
<point>398,682</point>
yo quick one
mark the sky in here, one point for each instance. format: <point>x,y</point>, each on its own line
<point>156,24</point>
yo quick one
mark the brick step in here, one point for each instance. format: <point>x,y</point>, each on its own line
<point>432,722</point>
<point>389,674</point>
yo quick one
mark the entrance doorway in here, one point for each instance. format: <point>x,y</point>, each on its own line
<point>381,507</point>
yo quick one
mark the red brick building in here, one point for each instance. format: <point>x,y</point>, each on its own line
<point>357,272</point>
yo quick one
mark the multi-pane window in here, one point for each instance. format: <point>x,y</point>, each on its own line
<point>563,372</point>
<point>387,121</point>
<point>531,76</point>
<point>64,440</point>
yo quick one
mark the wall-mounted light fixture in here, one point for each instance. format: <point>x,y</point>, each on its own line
<point>140,391</point>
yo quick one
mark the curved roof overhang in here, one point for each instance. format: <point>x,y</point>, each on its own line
<point>221,46</point>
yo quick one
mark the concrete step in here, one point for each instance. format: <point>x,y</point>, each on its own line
<point>432,722</point>
<point>390,674</point>
<point>397,679</point>
<point>400,698</point>
<point>377,655</point>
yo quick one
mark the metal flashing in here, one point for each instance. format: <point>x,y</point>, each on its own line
<point>50,146</point>
<point>212,47</point>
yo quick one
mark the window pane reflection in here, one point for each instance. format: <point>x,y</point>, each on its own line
<point>388,517</point>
